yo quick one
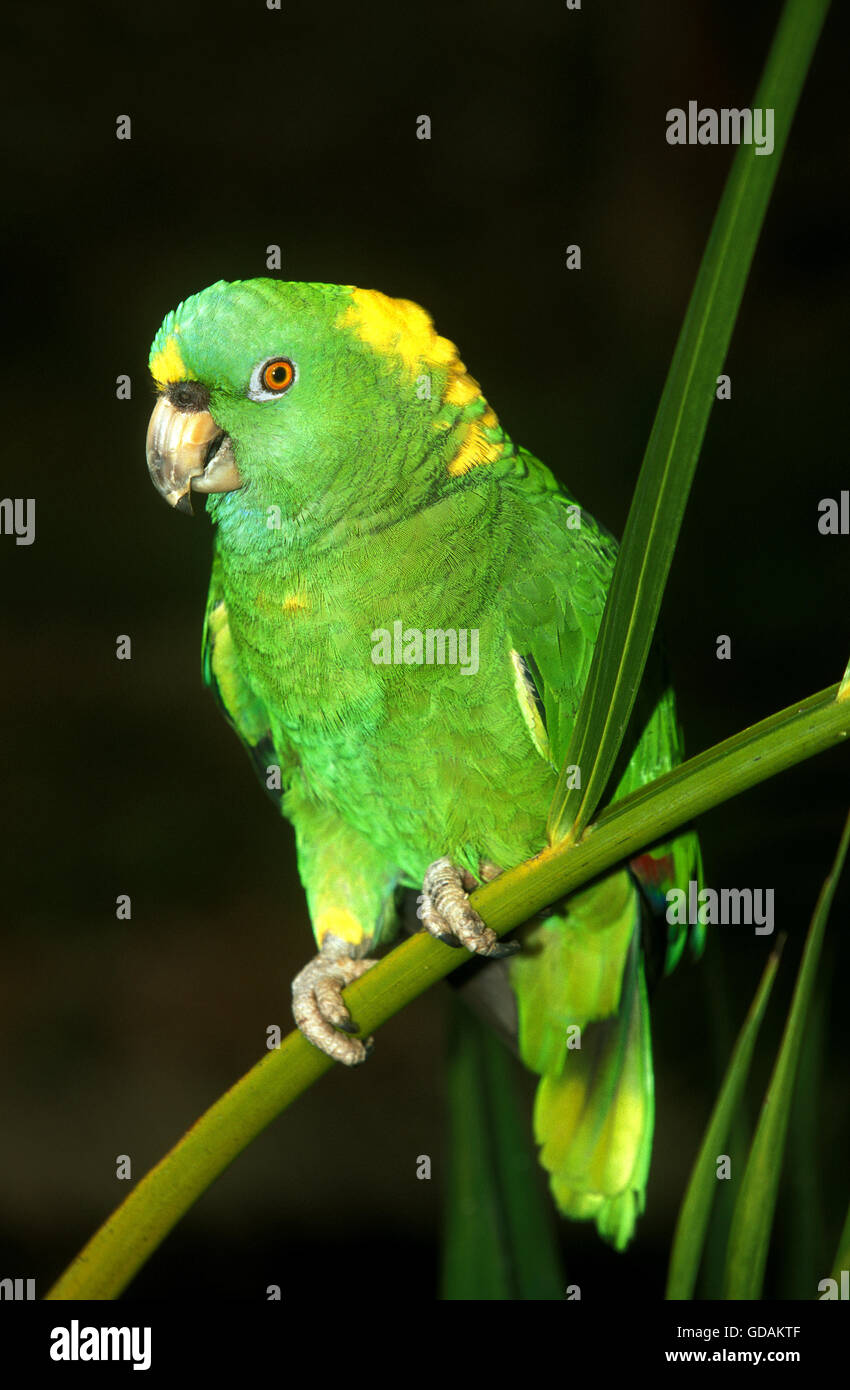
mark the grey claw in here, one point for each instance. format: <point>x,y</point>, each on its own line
<point>502,948</point>
<point>347,1025</point>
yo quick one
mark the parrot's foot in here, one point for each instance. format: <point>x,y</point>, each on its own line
<point>319,1008</point>
<point>444,911</point>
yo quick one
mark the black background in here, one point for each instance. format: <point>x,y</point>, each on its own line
<point>298,128</point>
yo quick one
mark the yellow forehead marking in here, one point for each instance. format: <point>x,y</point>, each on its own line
<point>168,365</point>
<point>398,326</point>
<point>339,921</point>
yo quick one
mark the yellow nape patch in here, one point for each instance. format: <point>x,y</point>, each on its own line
<point>401,329</point>
<point>168,365</point>
<point>461,388</point>
<point>476,448</point>
<point>338,921</point>
<point>398,326</point>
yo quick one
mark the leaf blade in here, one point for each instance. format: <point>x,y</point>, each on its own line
<point>752,1221</point>
<point>692,1222</point>
<point>499,1238</point>
<point>658,506</point>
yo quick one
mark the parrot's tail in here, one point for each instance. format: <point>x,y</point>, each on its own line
<point>595,1120</point>
<point>583,973</point>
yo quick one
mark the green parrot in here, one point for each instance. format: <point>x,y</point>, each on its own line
<point>400,622</point>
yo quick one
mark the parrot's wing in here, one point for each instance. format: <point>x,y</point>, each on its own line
<point>583,964</point>
<point>554,612</point>
<point>237,700</point>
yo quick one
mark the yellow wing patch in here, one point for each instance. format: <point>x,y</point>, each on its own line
<point>167,365</point>
<point>528,706</point>
<point>222,656</point>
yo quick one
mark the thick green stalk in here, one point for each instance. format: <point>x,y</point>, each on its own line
<point>122,1245</point>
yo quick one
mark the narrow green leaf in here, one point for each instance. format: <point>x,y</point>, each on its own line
<point>844,687</point>
<point>659,501</point>
<point>142,1221</point>
<point>476,1256</point>
<point>842,1254</point>
<point>499,1237</point>
<point>751,1224</point>
<point>691,1227</point>
<point>715,980</point>
<point>801,1188</point>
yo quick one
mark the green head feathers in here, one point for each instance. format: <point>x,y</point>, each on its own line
<point>310,382</point>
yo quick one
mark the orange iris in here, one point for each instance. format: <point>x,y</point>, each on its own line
<point>278,374</point>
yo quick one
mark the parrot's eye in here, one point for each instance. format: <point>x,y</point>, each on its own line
<point>271,379</point>
<point>277,375</point>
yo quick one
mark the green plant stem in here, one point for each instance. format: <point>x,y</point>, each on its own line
<point>118,1250</point>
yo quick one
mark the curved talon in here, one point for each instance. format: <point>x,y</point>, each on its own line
<point>321,1012</point>
<point>445,913</point>
<point>503,948</point>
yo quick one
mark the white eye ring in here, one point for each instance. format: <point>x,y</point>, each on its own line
<point>259,388</point>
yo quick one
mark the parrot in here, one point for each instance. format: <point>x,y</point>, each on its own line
<point>401,615</point>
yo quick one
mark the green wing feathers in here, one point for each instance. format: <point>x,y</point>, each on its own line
<point>580,980</point>
<point>241,706</point>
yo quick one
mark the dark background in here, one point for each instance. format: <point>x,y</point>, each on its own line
<point>298,128</point>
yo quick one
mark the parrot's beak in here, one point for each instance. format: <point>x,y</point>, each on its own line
<point>187,452</point>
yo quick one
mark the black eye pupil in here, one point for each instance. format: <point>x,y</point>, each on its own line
<point>278,373</point>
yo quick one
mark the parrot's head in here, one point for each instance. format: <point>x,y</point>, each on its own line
<point>324,401</point>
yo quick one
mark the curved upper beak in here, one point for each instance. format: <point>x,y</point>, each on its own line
<point>187,452</point>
